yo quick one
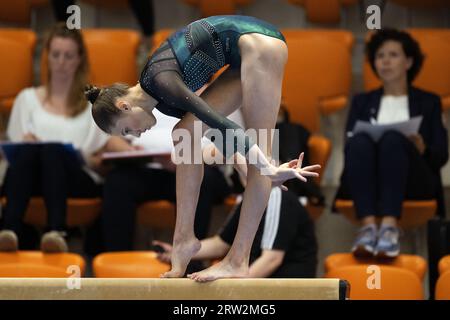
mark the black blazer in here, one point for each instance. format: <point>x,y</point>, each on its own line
<point>366,105</point>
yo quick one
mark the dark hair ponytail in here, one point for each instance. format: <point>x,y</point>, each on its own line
<point>91,92</point>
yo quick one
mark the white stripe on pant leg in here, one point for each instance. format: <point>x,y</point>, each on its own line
<point>272,220</point>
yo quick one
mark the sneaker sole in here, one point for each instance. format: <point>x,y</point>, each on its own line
<point>363,252</point>
<point>8,244</point>
<point>53,246</point>
<point>387,254</point>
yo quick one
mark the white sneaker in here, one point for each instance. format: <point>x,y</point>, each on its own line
<point>54,242</point>
<point>8,241</point>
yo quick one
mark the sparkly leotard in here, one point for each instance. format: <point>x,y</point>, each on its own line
<point>189,58</point>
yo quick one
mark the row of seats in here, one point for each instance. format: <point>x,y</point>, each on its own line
<point>112,56</point>
<point>399,279</point>
<point>324,78</point>
<point>317,11</point>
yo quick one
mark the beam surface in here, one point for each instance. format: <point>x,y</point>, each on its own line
<point>171,289</point>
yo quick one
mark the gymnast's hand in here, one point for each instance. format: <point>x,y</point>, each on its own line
<point>292,169</point>
<point>166,255</point>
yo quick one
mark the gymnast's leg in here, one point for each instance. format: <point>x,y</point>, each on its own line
<point>263,61</point>
<point>224,96</point>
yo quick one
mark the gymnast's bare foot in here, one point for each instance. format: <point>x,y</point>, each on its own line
<point>223,269</point>
<point>182,253</point>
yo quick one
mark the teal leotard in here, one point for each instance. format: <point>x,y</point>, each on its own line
<point>188,59</point>
<point>206,45</point>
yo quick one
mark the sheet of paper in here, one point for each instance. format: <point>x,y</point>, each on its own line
<point>376,131</point>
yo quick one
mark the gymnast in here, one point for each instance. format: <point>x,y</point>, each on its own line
<point>256,53</point>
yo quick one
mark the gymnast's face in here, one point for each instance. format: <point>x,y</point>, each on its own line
<point>133,121</point>
<point>63,58</point>
<point>391,62</point>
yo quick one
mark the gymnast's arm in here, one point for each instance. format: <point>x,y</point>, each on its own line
<point>171,89</point>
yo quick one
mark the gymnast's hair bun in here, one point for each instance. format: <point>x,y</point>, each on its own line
<point>91,92</point>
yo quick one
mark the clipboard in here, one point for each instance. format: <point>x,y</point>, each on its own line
<point>10,150</point>
<point>376,131</point>
<point>133,157</point>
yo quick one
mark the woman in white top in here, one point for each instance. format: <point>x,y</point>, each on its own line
<point>380,173</point>
<point>56,112</point>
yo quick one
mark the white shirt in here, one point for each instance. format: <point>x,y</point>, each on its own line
<point>393,109</point>
<point>29,116</point>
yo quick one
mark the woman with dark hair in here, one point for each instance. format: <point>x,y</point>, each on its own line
<point>256,53</point>
<point>55,112</point>
<point>379,175</point>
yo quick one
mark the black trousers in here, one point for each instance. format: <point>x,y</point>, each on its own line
<point>142,9</point>
<point>126,187</point>
<point>48,171</point>
<point>378,176</point>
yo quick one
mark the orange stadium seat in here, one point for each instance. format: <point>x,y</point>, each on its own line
<point>160,36</point>
<point>135,264</point>
<point>319,152</point>
<point>157,214</point>
<point>307,96</point>
<point>435,73</point>
<point>80,211</point>
<point>17,48</point>
<point>395,283</point>
<point>19,11</point>
<point>319,149</point>
<point>35,264</point>
<point>414,263</point>
<point>415,213</point>
<point>443,286</point>
<point>213,8</point>
<point>316,82</point>
<point>323,11</point>
<point>444,264</point>
<point>112,56</point>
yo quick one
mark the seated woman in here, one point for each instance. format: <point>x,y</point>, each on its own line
<point>379,175</point>
<point>54,112</point>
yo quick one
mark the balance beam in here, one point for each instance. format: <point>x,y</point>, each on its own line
<point>172,289</point>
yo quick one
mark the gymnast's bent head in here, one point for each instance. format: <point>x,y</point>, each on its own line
<point>120,110</point>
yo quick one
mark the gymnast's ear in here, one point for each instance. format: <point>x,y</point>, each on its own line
<point>123,105</point>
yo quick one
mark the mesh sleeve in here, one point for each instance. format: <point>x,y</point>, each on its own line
<point>173,92</point>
